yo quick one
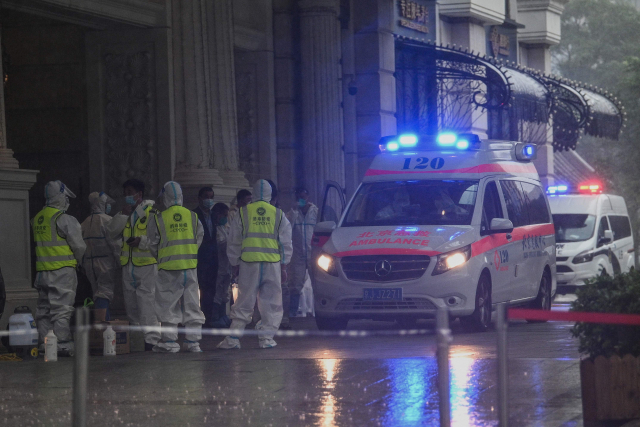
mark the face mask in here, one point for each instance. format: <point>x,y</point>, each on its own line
<point>302,203</point>
<point>222,221</point>
<point>130,200</point>
<point>207,203</point>
<point>107,209</point>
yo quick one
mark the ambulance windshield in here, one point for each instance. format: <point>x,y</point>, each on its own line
<point>574,227</point>
<point>429,202</point>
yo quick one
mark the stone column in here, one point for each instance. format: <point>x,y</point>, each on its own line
<point>322,126</point>
<point>15,257</point>
<point>204,96</point>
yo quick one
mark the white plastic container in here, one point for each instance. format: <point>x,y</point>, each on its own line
<point>109,336</point>
<point>50,347</point>
<point>22,323</point>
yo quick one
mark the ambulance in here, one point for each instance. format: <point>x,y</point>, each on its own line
<point>593,234</point>
<point>438,221</point>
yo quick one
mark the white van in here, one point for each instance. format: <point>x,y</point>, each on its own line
<point>593,235</point>
<point>449,221</point>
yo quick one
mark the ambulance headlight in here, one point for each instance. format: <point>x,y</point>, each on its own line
<point>583,257</point>
<point>451,260</point>
<point>408,140</point>
<point>327,263</point>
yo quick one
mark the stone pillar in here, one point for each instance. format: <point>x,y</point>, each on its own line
<point>322,127</point>
<point>206,141</point>
<point>374,48</point>
<point>15,252</point>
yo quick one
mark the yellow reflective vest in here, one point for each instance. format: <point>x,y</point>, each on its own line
<point>52,251</point>
<point>138,257</point>
<point>178,247</point>
<point>260,227</point>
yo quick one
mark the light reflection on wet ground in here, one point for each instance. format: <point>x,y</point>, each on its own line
<point>387,381</point>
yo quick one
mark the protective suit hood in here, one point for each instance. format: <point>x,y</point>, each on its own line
<point>171,194</point>
<point>262,190</point>
<point>57,195</point>
<point>99,201</point>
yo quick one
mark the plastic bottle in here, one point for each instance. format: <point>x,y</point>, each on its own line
<point>50,347</point>
<point>109,337</point>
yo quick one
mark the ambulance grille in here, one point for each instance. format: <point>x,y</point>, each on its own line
<point>400,267</point>
<point>563,269</point>
<point>354,304</point>
<point>562,258</point>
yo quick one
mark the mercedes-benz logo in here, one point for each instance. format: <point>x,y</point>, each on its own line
<point>382,268</point>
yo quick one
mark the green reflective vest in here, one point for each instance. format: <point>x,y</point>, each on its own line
<point>260,227</point>
<point>52,251</point>
<point>138,257</point>
<point>178,248</point>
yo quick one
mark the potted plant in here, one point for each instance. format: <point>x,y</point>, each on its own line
<point>610,372</point>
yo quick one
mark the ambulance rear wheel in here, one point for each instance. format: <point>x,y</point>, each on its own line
<point>331,323</point>
<point>543,300</point>
<point>481,318</point>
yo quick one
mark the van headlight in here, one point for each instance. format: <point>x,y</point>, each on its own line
<point>583,257</point>
<point>452,260</point>
<point>327,263</point>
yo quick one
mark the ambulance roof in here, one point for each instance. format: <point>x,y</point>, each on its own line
<point>593,204</point>
<point>488,157</point>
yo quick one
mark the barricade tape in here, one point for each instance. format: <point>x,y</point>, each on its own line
<point>574,316</point>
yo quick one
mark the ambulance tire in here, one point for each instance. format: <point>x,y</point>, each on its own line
<point>480,319</point>
<point>331,323</point>
<point>543,300</point>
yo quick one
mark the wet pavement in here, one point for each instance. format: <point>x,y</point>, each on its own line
<point>310,381</point>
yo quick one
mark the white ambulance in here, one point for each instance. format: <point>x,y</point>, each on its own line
<point>593,234</point>
<point>437,221</point>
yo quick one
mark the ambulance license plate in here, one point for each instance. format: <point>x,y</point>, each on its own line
<point>382,294</point>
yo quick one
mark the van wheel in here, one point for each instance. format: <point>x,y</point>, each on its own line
<point>543,300</point>
<point>331,324</point>
<point>481,318</point>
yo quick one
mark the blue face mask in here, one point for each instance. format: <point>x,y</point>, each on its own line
<point>207,203</point>
<point>107,209</point>
<point>130,200</point>
<point>302,203</point>
<point>222,221</point>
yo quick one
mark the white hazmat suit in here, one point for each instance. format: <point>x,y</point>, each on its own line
<point>101,262</point>
<point>257,280</point>
<point>57,288</point>
<point>138,282</point>
<point>302,226</point>
<point>177,299</point>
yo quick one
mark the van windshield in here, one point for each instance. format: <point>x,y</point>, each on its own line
<point>573,227</point>
<point>429,202</point>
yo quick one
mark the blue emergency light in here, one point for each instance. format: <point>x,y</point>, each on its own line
<point>408,140</point>
<point>526,152</point>
<point>557,189</point>
<point>448,140</point>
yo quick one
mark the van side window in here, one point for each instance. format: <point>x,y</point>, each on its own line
<point>604,225</point>
<point>538,210</point>
<point>516,204</point>
<point>491,206</point>
<point>620,226</point>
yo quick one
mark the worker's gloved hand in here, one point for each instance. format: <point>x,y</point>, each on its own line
<point>135,242</point>
<point>283,273</point>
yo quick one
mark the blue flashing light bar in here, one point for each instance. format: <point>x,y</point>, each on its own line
<point>526,152</point>
<point>392,146</point>
<point>447,139</point>
<point>408,140</point>
<point>462,144</point>
<point>557,189</point>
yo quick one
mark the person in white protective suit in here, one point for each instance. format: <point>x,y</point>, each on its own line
<point>303,218</point>
<point>173,237</point>
<point>139,267</point>
<point>258,248</point>
<point>59,250</point>
<point>101,262</point>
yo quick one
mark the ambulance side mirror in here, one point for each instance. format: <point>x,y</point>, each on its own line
<point>325,227</point>
<point>608,238</point>
<point>501,225</point>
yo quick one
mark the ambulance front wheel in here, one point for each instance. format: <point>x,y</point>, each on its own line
<point>331,323</point>
<point>481,317</point>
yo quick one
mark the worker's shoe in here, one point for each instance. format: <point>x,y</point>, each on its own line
<point>167,347</point>
<point>191,346</point>
<point>267,343</point>
<point>229,343</point>
<point>66,348</point>
<point>285,326</point>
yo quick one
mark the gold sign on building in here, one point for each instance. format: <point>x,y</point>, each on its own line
<point>414,16</point>
<point>499,43</point>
